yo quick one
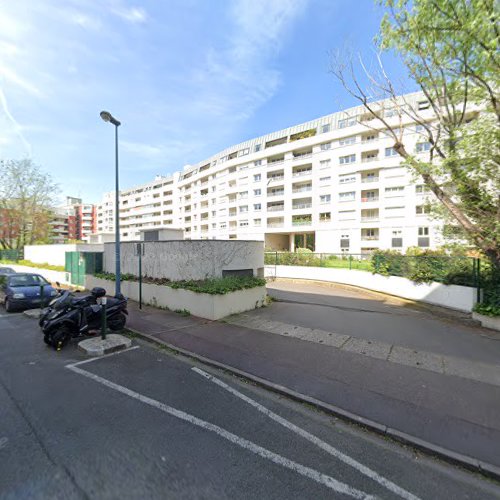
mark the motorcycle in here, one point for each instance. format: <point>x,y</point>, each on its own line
<point>69,316</point>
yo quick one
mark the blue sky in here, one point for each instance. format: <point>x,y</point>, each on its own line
<point>187,78</point>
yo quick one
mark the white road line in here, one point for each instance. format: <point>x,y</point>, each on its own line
<point>319,477</point>
<point>101,357</point>
<point>313,439</point>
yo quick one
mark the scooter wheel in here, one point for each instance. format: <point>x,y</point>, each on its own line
<point>60,338</point>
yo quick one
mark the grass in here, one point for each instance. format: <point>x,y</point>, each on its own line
<point>36,265</point>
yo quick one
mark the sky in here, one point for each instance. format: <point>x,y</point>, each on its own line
<point>186,78</point>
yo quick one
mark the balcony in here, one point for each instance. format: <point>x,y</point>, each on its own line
<point>367,159</point>
<point>369,238</point>
<point>369,179</point>
<point>302,222</point>
<point>302,156</point>
<point>275,224</point>
<point>275,178</point>
<point>302,189</point>
<point>275,208</point>
<point>374,218</point>
<point>369,198</point>
<point>300,206</point>
<point>301,173</point>
<point>276,193</point>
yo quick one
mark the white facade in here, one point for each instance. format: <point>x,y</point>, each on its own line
<point>333,184</point>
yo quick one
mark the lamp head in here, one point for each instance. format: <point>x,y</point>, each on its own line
<point>108,117</point>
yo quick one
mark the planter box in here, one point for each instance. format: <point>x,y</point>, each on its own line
<point>203,305</point>
<point>461,298</point>
<point>492,322</point>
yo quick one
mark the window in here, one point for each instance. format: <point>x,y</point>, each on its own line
<point>257,192</point>
<point>347,122</point>
<point>243,223</point>
<point>422,189</point>
<point>423,237</point>
<point>243,209</point>
<point>344,160</point>
<point>421,105</point>
<point>394,191</point>
<point>423,231</point>
<point>324,179</point>
<point>397,239</point>
<point>256,177</point>
<point>257,222</point>
<point>422,147</point>
<point>390,112</point>
<point>257,206</point>
<point>243,195</point>
<point>222,225</point>
<point>244,152</point>
<point>325,216</point>
<point>257,148</point>
<point>347,196</point>
<point>257,162</point>
<point>324,164</point>
<point>419,128</point>
<point>325,128</point>
<point>347,140</point>
<point>326,146</point>
<point>325,198</point>
<point>391,152</point>
<point>422,209</point>
<point>346,179</point>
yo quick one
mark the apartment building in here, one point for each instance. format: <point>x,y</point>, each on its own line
<point>334,184</point>
<point>73,220</point>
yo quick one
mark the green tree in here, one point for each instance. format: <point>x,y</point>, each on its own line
<point>26,195</point>
<point>451,51</point>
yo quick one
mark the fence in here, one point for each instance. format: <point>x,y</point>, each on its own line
<point>10,255</point>
<point>450,270</point>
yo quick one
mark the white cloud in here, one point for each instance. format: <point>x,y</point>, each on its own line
<point>131,14</point>
<point>11,76</point>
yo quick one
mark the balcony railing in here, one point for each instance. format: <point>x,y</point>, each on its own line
<point>275,162</point>
<point>276,208</point>
<point>368,159</point>
<point>276,193</point>
<point>301,205</point>
<point>276,178</point>
<point>275,224</point>
<point>302,156</point>
<point>369,179</point>
<point>370,219</point>
<point>369,198</point>
<point>301,222</point>
<point>302,172</point>
<point>302,189</point>
<point>325,220</point>
<point>369,238</point>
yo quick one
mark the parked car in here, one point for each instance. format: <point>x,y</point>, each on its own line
<point>4,271</point>
<point>23,291</point>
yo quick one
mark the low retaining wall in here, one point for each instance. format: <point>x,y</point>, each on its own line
<point>52,276</point>
<point>492,322</point>
<point>203,305</point>
<point>462,298</point>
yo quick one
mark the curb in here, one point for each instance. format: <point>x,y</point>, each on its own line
<point>472,464</point>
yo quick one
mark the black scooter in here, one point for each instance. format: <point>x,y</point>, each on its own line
<point>69,316</point>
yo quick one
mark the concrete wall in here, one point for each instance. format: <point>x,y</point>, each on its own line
<point>52,276</point>
<point>186,260</point>
<point>56,254</point>
<point>277,241</point>
<point>202,305</point>
<point>462,298</point>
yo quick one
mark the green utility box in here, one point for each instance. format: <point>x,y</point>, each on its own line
<point>81,263</point>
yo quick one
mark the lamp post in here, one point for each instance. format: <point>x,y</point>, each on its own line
<point>108,117</point>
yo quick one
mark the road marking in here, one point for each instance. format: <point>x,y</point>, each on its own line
<point>313,439</point>
<point>103,356</point>
<point>313,474</point>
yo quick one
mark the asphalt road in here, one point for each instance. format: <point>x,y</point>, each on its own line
<point>148,424</point>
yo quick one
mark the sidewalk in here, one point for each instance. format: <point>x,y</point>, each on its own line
<point>454,416</point>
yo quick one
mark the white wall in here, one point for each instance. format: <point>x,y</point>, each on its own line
<point>56,254</point>
<point>462,298</point>
<point>187,260</point>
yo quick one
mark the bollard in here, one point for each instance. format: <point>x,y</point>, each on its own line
<point>104,301</point>
<point>140,279</point>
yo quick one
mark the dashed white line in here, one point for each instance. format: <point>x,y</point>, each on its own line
<point>313,474</point>
<point>313,439</point>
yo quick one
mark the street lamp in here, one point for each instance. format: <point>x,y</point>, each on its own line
<point>108,117</point>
